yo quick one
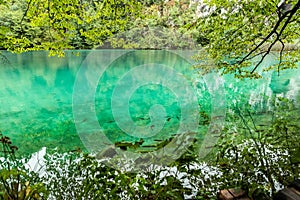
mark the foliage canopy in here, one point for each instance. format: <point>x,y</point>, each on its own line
<point>240,33</point>
<point>57,25</point>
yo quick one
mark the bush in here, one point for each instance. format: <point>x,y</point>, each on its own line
<point>261,151</point>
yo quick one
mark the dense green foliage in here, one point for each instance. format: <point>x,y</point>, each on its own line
<point>58,25</point>
<point>17,182</point>
<point>162,25</point>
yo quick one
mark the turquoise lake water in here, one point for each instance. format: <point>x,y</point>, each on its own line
<point>122,95</point>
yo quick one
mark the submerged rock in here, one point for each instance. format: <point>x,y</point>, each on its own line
<point>109,152</point>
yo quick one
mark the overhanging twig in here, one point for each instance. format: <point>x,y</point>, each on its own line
<point>288,16</point>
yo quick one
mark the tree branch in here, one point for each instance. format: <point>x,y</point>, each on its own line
<point>280,55</point>
<point>288,16</point>
<point>24,15</point>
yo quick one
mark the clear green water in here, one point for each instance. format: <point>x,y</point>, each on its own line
<point>37,92</point>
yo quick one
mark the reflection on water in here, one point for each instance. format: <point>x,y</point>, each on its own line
<point>36,98</point>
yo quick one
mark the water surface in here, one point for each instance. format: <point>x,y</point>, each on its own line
<point>36,96</point>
